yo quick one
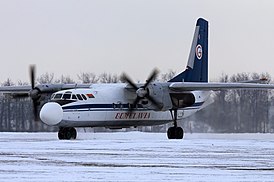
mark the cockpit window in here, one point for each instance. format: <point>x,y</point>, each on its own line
<point>58,96</point>
<point>74,97</point>
<point>70,96</point>
<point>84,97</point>
<point>66,96</point>
<point>52,96</point>
<point>79,97</point>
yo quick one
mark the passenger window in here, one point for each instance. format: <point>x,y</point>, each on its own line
<point>119,105</point>
<point>74,97</point>
<point>79,97</point>
<point>84,97</point>
<point>66,96</point>
<point>58,96</point>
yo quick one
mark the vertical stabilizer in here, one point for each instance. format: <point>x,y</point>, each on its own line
<point>197,66</point>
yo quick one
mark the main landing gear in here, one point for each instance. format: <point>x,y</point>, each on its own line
<point>67,133</point>
<point>175,132</point>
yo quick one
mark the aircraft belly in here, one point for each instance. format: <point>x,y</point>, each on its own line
<point>120,118</point>
<point>114,118</point>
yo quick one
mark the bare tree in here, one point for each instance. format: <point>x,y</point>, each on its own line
<point>20,82</point>
<point>88,78</point>
<point>167,76</point>
<point>65,80</point>
<point>239,110</point>
<point>109,78</point>
<point>8,82</point>
<point>45,78</point>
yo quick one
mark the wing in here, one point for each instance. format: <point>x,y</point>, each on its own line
<point>41,89</point>
<point>192,86</point>
<point>15,89</point>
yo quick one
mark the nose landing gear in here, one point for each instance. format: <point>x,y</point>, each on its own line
<point>175,132</point>
<point>67,133</point>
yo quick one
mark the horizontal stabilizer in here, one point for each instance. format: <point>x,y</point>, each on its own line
<point>193,86</point>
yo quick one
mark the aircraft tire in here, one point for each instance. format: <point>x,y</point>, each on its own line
<point>73,133</point>
<point>61,134</point>
<point>171,133</point>
<point>67,133</point>
<point>179,133</point>
<point>175,133</point>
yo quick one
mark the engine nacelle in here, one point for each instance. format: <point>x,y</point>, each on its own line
<point>181,100</point>
<point>159,93</point>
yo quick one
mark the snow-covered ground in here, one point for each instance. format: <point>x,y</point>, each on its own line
<point>136,156</point>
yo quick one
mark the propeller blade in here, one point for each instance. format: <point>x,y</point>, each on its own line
<point>142,92</point>
<point>152,76</point>
<point>34,93</point>
<point>125,78</point>
<point>35,110</point>
<point>32,76</point>
<point>136,101</point>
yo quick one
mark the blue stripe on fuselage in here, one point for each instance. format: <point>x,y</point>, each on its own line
<point>112,106</point>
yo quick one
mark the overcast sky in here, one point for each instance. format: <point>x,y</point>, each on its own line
<point>67,37</point>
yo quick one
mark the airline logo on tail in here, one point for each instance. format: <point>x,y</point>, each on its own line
<point>199,51</point>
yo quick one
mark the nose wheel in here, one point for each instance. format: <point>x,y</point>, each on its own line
<point>67,133</point>
<point>175,132</point>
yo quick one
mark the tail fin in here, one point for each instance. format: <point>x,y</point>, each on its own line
<point>197,66</point>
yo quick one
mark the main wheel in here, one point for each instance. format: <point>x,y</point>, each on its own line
<point>175,133</point>
<point>179,133</point>
<point>171,133</point>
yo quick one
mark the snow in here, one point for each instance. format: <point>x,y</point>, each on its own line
<point>136,156</point>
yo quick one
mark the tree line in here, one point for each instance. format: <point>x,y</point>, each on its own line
<point>237,111</point>
<point>232,110</point>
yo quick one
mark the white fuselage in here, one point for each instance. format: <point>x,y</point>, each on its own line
<point>107,105</point>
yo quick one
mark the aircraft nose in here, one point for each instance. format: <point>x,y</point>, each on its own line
<point>51,113</point>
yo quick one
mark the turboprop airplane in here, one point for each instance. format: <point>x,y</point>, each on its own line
<point>127,104</point>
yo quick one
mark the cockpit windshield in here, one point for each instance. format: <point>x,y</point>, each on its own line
<point>69,96</point>
<point>79,97</point>
<point>66,96</point>
<point>58,96</point>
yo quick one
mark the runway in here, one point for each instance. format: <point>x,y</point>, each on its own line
<point>136,156</point>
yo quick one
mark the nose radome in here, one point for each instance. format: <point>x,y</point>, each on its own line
<point>51,113</point>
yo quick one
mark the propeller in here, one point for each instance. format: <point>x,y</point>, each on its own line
<point>34,93</point>
<point>32,75</point>
<point>143,91</point>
